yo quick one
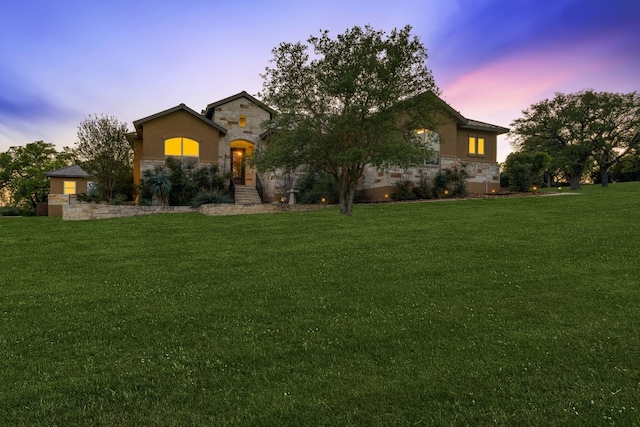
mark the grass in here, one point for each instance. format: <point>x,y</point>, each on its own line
<point>516,311</point>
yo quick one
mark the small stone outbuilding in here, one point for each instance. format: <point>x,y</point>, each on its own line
<point>65,185</point>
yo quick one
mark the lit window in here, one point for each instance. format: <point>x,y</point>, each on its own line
<point>69,187</point>
<point>173,147</point>
<point>476,146</point>
<point>432,140</point>
<point>186,149</point>
<point>243,121</point>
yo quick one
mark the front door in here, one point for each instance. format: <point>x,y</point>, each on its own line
<point>237,165</point>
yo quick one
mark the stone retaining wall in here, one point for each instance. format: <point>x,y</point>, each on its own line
<point>89,211</point>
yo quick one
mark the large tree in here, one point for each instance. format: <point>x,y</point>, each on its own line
<point>579,127</point>
<point>618,130</point>
<point>357,100</point>
<point>105,153</point>
<point>22,171</point>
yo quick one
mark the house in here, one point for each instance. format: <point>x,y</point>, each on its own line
<point>65,186</point>
<point>228,131</point>
<point>458,143</point>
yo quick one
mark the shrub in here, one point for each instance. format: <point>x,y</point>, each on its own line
<point>156,186</point>
<point>423,190</point>
<point>176,184</point>
<point>205,197</point>
<point>118,199</point>
<point>525,170</point>
<point>450,183</point>
<point>313,186</point>
<point>10,211</point>
<point>93,197</point>
<point>403,191</point>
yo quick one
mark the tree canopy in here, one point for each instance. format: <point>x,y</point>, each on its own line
<point>525,169</point>
<point>581,127</point>
<point>357,100</point>
<point>105,154</point>
<point>22,171</point>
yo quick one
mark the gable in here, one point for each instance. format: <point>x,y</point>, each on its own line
<point>171,113</point>
<point>242,99</point>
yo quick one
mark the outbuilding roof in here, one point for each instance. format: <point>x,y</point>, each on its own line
<point>73,171</point>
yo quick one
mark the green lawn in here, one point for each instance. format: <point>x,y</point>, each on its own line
<point>508,311</point>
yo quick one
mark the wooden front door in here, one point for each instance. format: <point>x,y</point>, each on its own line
<point>238,165</point>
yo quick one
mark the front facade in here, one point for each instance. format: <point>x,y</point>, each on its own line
<point>228,131</point>
<point>64,187</point>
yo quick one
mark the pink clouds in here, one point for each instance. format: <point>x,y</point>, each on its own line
<point>498,92</point>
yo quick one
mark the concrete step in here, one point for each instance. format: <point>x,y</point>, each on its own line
<point>245,195</point>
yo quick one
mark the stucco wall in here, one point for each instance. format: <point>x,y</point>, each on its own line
<point>179,124</point>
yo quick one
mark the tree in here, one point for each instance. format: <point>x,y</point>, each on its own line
<point>580,127</point>
<point>358,102</point>
<point>22,171</point>
<point>525,170</point>
<point>106,154</point>
<point>618,120</point>
<point>627,169</point>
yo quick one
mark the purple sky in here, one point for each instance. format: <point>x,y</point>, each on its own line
<point>131,59</point>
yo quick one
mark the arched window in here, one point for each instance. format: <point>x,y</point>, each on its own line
<point>185,150</point>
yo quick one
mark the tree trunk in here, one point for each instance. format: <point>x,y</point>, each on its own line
<point>604,176</point>
<point>347,195</point>
<point>574,180</point>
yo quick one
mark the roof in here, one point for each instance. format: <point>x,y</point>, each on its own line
<point>476,125</point>
<point>211,107</point>
<point>182,107</point>
<point>73,171</point>
<point>466,123</point>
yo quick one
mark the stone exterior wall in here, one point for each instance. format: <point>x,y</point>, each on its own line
<point>228,116</point>
<point>483,177</point>
<point>91,211</point>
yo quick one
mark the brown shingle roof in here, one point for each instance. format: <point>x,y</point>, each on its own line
<point>73,171</point>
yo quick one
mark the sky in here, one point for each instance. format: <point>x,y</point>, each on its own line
<point>61,61</point>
